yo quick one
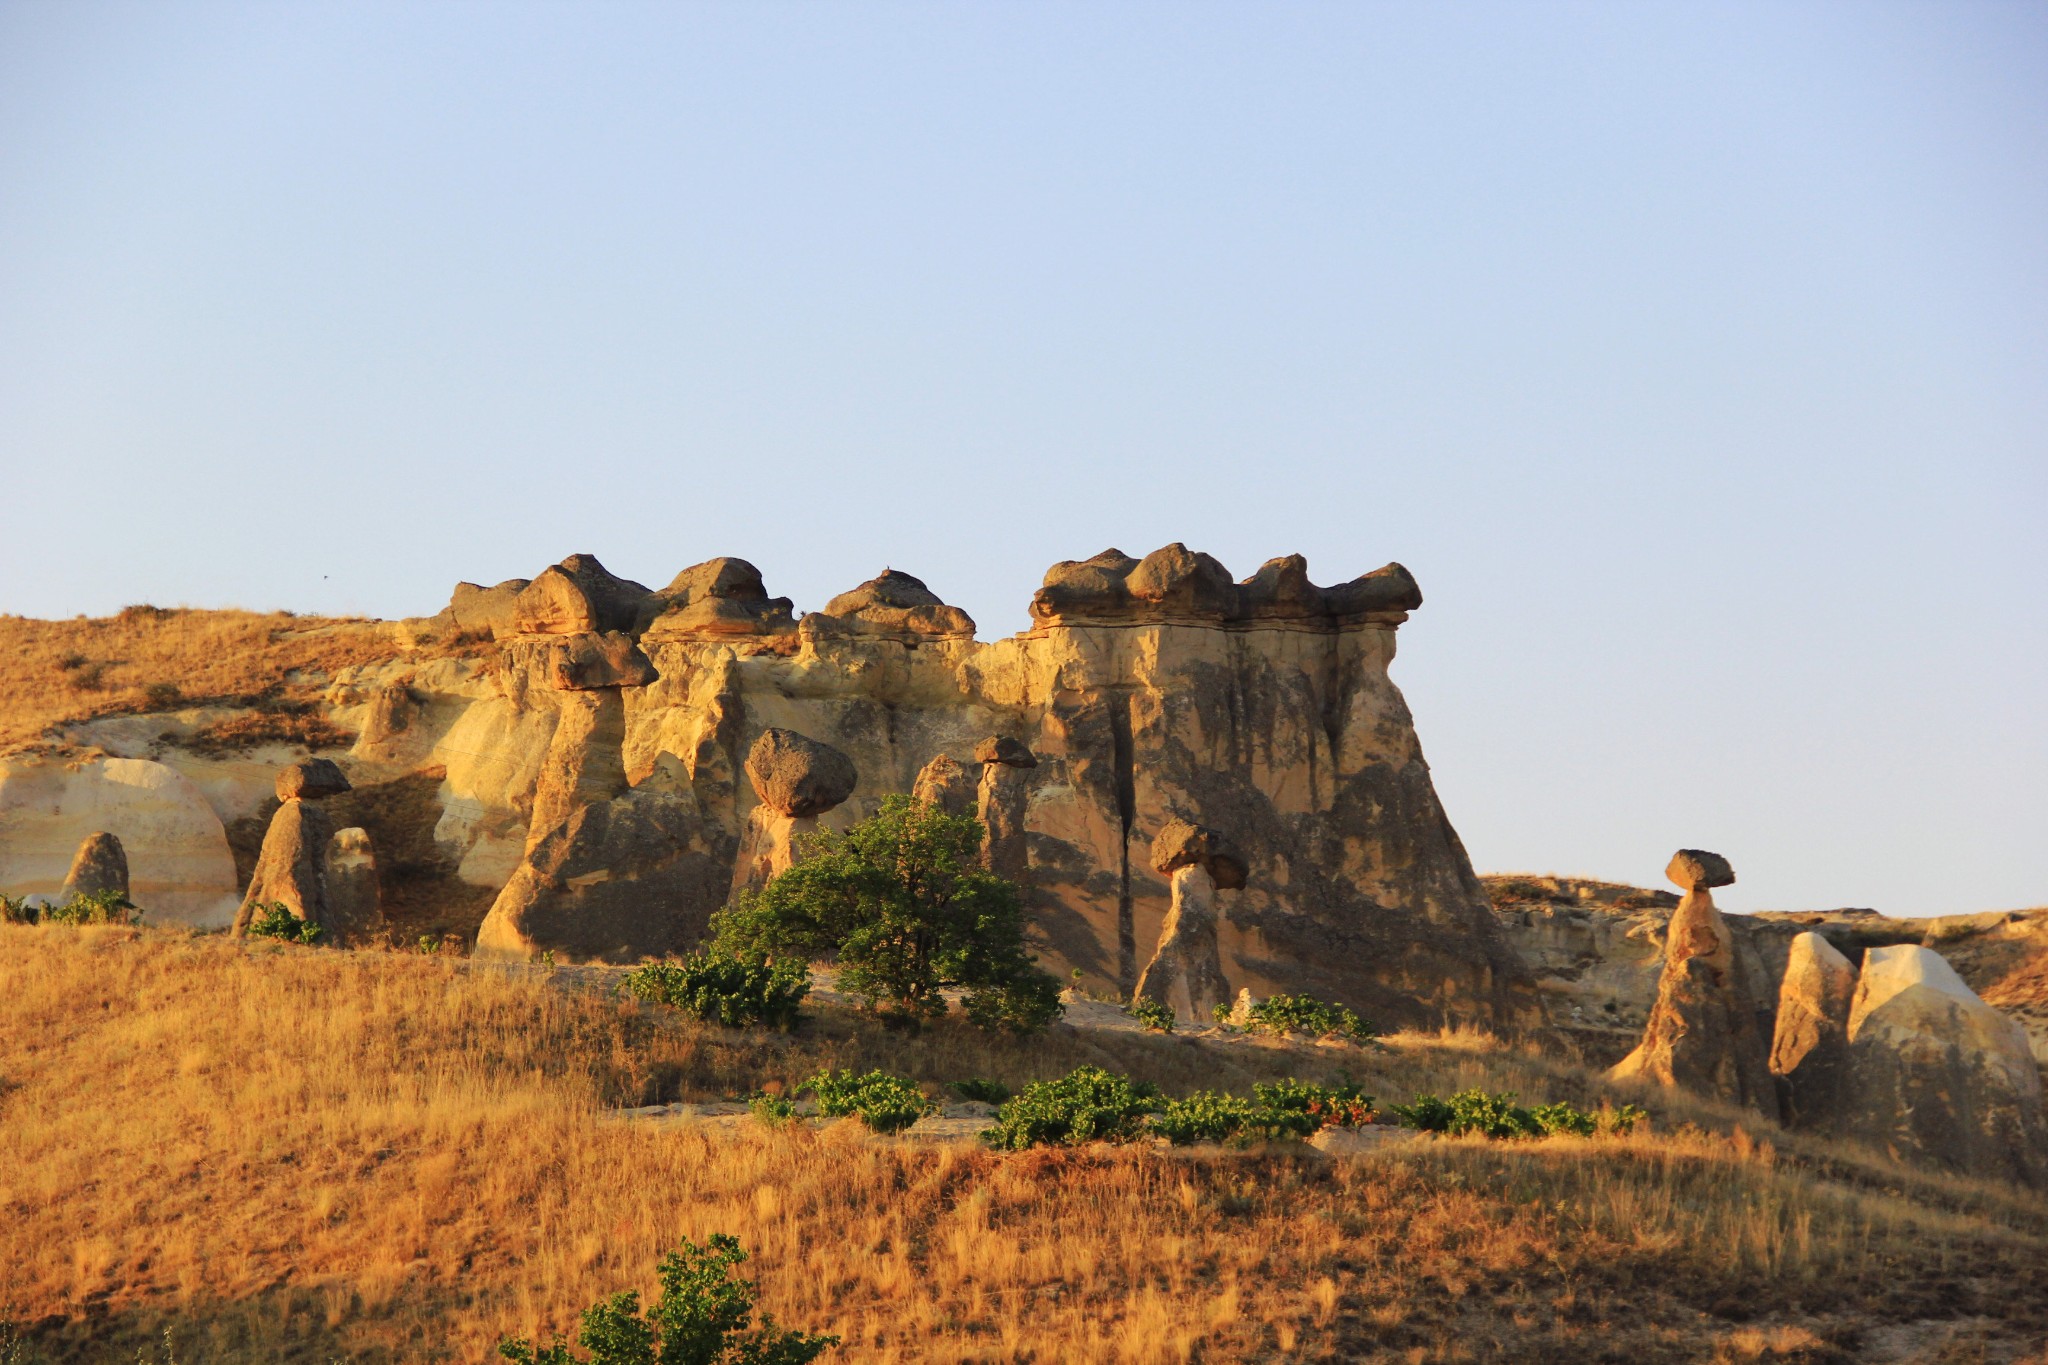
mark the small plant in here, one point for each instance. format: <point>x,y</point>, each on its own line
<point>982,1091</point>
<point>1331,1106</point>
<point>704,1317</point>
<point>97,907</point>
<point>772,1110</point>
<point>1153,1015</point>
<point>13,1343</point>
<point>1088,1104</point>
<point>16,910</point>
<point>276,920</point>
<point>1306,1014</point>
<point>1563,1119</point>
<point>1221,1014</point>
<point>1470,1111</point>
<point>885,1103</point>
<point>429,943</point>
<point>1211,1116</point>
<point>724,988</point>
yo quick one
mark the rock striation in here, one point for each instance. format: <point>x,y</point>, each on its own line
<point>99,866</point>
<point>1702,1033</point>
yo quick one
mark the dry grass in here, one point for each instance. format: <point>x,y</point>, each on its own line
<point>298,1155</point>
<point>150,658</point>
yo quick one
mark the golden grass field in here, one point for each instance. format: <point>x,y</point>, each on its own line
<point>289,1154</point>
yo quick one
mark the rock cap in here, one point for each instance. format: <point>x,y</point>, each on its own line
<point>310,779</point>
<point>1006,751</point>
<point>1695,869</point>
<point>798,776</point>
<point>1177,584</point>
<point>1185,844</point>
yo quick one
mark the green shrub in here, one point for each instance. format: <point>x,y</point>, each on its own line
<point>1221,1013</point>
<point>885,1103</point>
<point>1498,1116</point>
<point>1564,1119</point>
<point>721,988</point>
<point>276,920</point>
<point>99,907</point>
<point>1088,1104</point>
<point>1151,1014</point>
<point>1211,1116</point>
<point>16,910</point>
<point>1306,1014</point>
<point>902,903</point>
<point>1330,1106</point>
<point>703,1317</point>
<point>982,1091</point>
<point>772,1110</point>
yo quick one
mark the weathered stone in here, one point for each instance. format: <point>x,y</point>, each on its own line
<point>1936,1075</point>
<point>894,604</point>
<point>290,868</point>
<point>769,847</point>
<point>354,911</point>
<point>581,663</point>
<point>579,596</point>
<point>1695,869</point>
<point>797,775</point>
<point>947,784</point>
<point>100,865</point>
<point>1002,801</point>
<point>1177,580</point>
<point>1810,1050</point>
<point>1186,970</point>
<point>1003,749</point>
<point>718,598</point>
<point>1703,1032</point>
<point>1181,844</point>
<point>310,779</point>
<point>477,610</point>
<point>1176,583</point>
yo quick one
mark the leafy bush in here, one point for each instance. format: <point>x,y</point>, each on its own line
<point>720,988</point>
<point>1211,1116</point>
<point>1306,1014</point>
<point>907,910</point>
<point>703,1317</point>
<point>1331,1106</point>
<point>276,920</point>
<point>1151,1014</point>
<point>885,1103</point>
<point>982,1091</point>
<point>772,1110</point>
<point>1498,1116</point>
<point>1088,1104</point>
<point>99,907</point>
<point>16,910</point>
<point>1562,1118</point>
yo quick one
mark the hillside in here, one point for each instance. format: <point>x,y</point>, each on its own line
<point>307,1155</point>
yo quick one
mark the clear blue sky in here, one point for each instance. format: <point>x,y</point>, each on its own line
<point>1694,357</point>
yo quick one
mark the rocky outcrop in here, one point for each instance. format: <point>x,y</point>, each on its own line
<point>290,869</point>
<point>1936,1075</point>
<point>947,784</point>
<point>354,906</point>
<point>100,866</point>
<point>1810,1049</point>
<point>578,596</point>
<point>1702,1034</point>
<point>310,780</point>
<point>892,605</point>
<point>796,780</point>
<point>477,610</point>
<point>1001,801</point>
<point>1175,583</point>
<point>719,598</point>
<point>1185,973</point>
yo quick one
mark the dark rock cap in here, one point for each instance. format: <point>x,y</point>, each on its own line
<point>796,775</point>
<point>310,779</point>
<point>1002,749</point>
<point>1695,869</point>
<point>1185,844</point>
<point>1178,584</point>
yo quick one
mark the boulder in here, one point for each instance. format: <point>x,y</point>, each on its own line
<point>310,779</point>
<point>1178,584</point>
<point>1936,1075</point>
<point>1810,1049</point>
<point>1182,844</point>
<point>291,867</point>
<point>947,784</point>
<point>99,865</point>
<point>354,910</point>
<point>1696,869</point>
<point>798,776</point>
<point>578,596</point>
<point>1186,970</point>
<point>477,610</point>
<point>891,604</point>
<point>720,597</point>
<point>1702,1034</point>
<point>1002,749</point>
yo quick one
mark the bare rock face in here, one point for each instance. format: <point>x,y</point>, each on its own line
<point>1936,1075</point>
<point>586,662</point>
<point>796,775</point>
<point>354,911</point>
<point>1186,970</point>
<point>1702,1034</point>
<point>947,784</point>
<point>310,780</point>
<point>1810,1051</point>
<point>720,597</point>
<point>100,864</point>
<point>291,867</point>
<point>477,610</point>
<point>578,596</point>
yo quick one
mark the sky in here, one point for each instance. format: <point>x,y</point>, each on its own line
<point>1693,357</point>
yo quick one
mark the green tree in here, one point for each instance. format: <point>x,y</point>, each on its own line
<point>903,904</point>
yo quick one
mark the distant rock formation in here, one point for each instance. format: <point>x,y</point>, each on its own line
<point>289,869</point>
<point>1936,1075</point>
<point>1185,973</point>
<point>321,875</point>
<point>796,780</point>
<point>99,866</point>
<point>1702,1034</point>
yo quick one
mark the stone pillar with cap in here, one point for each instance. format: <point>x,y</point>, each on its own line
<point>1186,970</point>
<point>1001,802</point>
<point>797,779</point>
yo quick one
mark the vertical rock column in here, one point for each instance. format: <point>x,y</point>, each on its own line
<point>1810,1050</point>
<point>290,869</point>
<point>100,864</point>
<point>1001,803</point>
<point>947,784</point>
<point>1702,1033</point>
<point>1186,970</point>
<point>355,909</point>
<point>797,780</point>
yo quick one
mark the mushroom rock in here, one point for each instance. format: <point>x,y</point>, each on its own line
<point>1810,1048</point>
<point>100,865</point>
<point>720,597</point>
<point>1175,583</point>
<point>354,907</point>
<point>1937,1075</point>
<point>797,780</point>
<point>945,783</point>
<point>890,604</point>
<point>578,596</point>
<point>586,662</point>
<point>310,780</point>
<point>290,868</point>
<point>1702,1034</point>
<point>1186,970</point>
<point>1001,801</point>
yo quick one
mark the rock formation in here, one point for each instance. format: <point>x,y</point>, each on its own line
<point>354,909</point>
<point>290,870</point>
<point>1810,1049</point>
<point>310,780</point>
<point>100,865</point>
<point>1186,971</point>
<point>1001,799</point>
<point>1702,1033</point>
<point>1937,1075</point>
<point>796,780</point>
<point>947,784</point>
